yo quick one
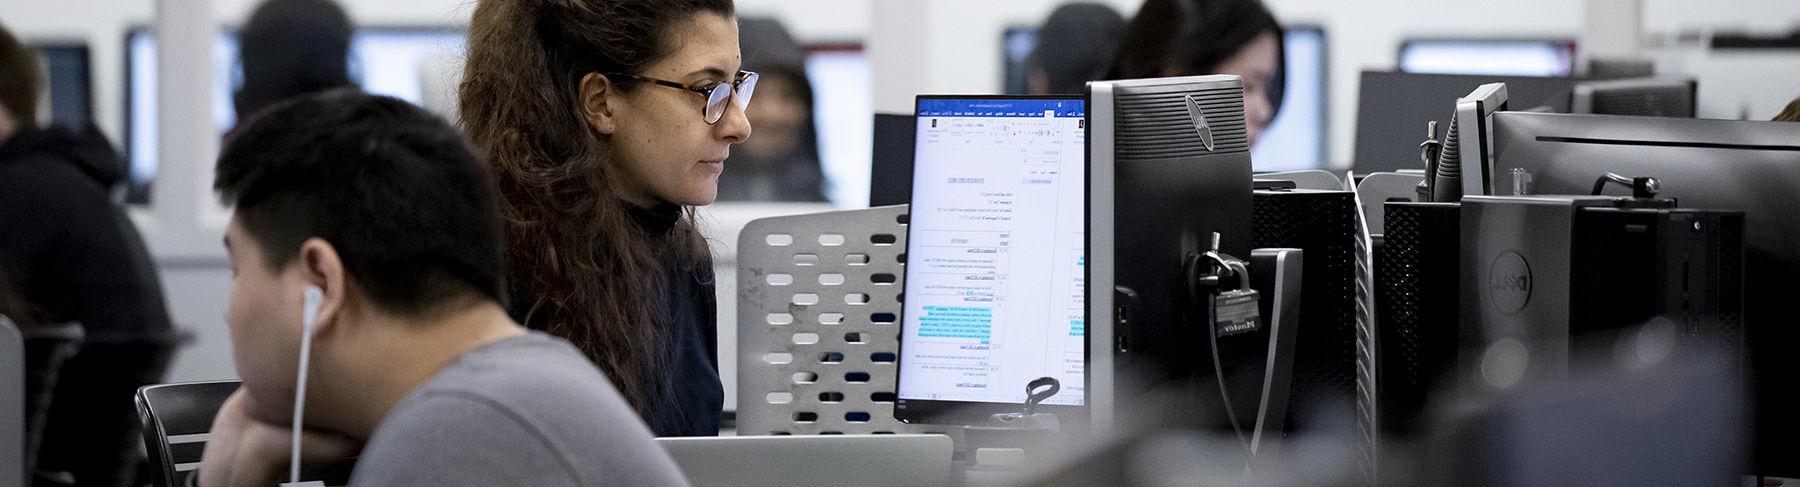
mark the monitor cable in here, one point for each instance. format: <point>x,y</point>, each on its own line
<point>1204,272</point>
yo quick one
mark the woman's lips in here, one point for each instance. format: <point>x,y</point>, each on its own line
<point>714,165</point>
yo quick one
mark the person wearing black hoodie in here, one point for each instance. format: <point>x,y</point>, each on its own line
<point>290,48</point>
<point>72,253</point>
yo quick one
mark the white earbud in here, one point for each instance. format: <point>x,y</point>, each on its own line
<point>313,297</point>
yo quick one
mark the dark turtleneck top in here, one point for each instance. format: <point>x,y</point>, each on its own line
<point>695,398</point>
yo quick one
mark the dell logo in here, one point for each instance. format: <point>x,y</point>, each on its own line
<point>1509,283</point>
<point>1520,283</point>
<point>1200,124</point>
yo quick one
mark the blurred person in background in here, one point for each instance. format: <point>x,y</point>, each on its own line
<point>782,162</point>
<point>1194,37</point>
<point>1074,46</point>
<point>290,48</point>
<point>70,252</point>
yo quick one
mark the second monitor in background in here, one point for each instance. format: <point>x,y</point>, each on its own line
<point>996,264</point>
<point>68,96</point>
<point>386,61</point>
<point>1495,56</point>
<point>1644,97</point>
<point>1393,108</point>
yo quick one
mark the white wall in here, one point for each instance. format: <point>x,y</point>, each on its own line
<point>960,39</point>
<point>943,46</point>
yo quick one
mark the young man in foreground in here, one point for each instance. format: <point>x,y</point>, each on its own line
<point>382,213</point>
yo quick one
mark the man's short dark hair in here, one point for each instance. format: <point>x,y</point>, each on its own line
<point>18,80</point>
<point>394,189</point>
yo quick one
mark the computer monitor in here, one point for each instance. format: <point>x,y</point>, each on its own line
<point>1295,139</point>
<point>1474,114</point>
<point>994,285</point>
<point>1500,57</point>
<point>69,96</point>
<point>1644,97</point>
<point>1392,109</point>
<point>842,101</point>
<point>1751,167</point>
<point>1016,43</point>
<point>140,102</point>
<point>891,163</point>
<point>1168,166</point>
<point>392,60</point>
<point>385,61</point>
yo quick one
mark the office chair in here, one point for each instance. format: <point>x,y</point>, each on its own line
<point>46,348</point>
<point>176,418</point>
<point>90,430</point>
<point>12,404</point>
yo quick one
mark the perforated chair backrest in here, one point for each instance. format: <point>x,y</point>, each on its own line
<point>818,322</point>
<point>176,418</point>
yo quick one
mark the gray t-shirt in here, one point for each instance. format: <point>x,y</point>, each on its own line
<point>526,410</point>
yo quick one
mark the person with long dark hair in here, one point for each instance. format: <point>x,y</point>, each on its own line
<point>1191,37</point>
<point>604,123</point>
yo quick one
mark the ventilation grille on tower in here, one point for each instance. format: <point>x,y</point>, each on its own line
<point>1323,401</point>
<point>1154,123</point>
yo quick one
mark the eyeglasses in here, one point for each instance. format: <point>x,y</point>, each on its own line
<point>744,85</point>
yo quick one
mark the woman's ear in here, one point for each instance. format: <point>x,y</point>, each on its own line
<point>323,267</point>
<point>596,98</point>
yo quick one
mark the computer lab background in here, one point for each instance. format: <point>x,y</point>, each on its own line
<point>867,56</point>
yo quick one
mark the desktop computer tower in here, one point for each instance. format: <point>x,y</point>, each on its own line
<point>1168,166</point>
<point>1416,297</point>
<point>1324,400</point>
<point>1559,283</point>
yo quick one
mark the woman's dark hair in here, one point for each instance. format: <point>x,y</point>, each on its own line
<point>290,48</point>
<point>578,265</point>
<point>1194,37</point>
<point>393,188</point>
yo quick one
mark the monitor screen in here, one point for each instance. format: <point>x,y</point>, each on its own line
<point>842,104</point>
<point>1296,139</point>
<point>392,61</point>
<point>995,292</point>
<point>140,100</point>
<point>68,99</point>
<point>386,61</point>
<point>1016,43</point>
<point>1499,57</point>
